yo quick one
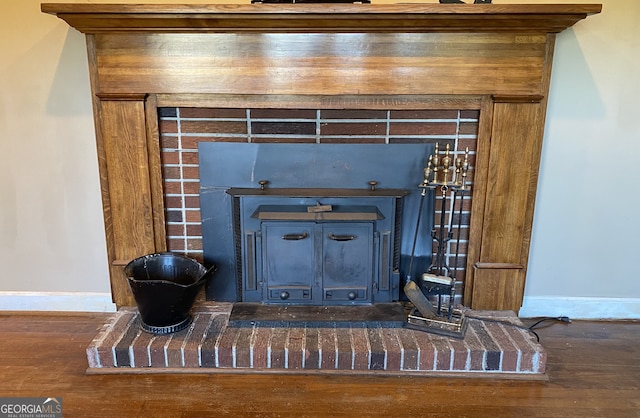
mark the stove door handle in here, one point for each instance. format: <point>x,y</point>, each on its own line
<point>295,237</point>
<point>334,237</point>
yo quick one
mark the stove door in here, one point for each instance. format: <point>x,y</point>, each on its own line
<point>347,254</point>
<point>289,262</point>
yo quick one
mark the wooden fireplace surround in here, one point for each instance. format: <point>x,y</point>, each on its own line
<point>496,58</point>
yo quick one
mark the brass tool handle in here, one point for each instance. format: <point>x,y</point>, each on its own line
<point>341,237</point>
<point>295,237</point>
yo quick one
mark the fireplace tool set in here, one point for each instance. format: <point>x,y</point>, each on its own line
<point>438,283</point>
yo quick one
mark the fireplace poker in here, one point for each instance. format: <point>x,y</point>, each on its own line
<point>411,289</point>
<point>415,235</point>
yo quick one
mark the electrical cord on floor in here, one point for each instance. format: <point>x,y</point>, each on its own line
<point>530,328</point>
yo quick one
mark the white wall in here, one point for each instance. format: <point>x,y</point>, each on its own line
<point>51,232</point>
<point>586,227</point>
<point>52,247</point>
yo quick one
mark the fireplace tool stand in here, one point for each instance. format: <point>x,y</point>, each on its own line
<point>439,281</point>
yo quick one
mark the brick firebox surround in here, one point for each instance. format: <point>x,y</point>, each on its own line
<point>492,58</point>
<point>182,129</point>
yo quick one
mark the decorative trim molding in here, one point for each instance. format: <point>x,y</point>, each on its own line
<point>535,98</point>
<point>122,97</point>
<point>57,301</point>
<point>580,307</point>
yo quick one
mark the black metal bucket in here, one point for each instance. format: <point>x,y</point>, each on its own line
<point>165,286</point>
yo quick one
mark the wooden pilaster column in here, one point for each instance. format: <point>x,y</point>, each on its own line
<point>127,199</point>
<point>499,269</point>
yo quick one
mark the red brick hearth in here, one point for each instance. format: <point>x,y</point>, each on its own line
<point>489,348</point>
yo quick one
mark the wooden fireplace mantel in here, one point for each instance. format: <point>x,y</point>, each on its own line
<point>495,58</point>
<point>96,18</point>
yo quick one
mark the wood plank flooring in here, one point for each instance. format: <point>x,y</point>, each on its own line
<point>593,368</point>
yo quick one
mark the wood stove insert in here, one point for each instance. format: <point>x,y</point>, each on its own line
<point>299,237</point>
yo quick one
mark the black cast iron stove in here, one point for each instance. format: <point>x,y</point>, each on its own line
<point>318,246</point>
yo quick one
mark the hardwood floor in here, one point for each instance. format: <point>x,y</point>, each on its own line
<point>593,368</point>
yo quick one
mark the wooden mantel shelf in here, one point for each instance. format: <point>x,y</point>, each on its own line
<point>529,18</point>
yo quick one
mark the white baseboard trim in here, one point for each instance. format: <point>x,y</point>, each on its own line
<point>56,301</point>
<point>580,307</point>
<point>533,306</point>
